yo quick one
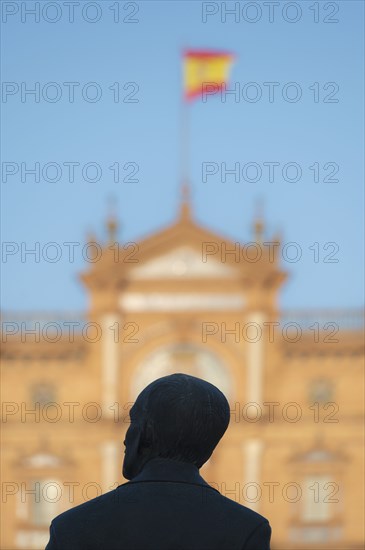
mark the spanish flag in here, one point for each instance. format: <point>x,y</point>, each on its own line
<point>205,70</point>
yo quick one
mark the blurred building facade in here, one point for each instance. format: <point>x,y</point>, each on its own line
<point>187,300</point>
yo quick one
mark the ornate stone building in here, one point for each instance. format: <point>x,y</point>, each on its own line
<point>187,300</point>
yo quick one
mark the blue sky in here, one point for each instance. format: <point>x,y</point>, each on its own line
<point>147,132</point>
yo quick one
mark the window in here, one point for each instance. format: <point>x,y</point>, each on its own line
<point>43,394</point>
<point>43,501</point>
<point>321,391</point>
<point>317,515</point>
<point>316,502</point>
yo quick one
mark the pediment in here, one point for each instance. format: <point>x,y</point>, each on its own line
<point>183,262</point>
<point>41,460</point>
<point>318,455</point>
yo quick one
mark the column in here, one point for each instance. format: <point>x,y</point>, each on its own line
<point>111,452</point>
<point>255,360</point>
<point>110,362</point>
<point>252,449</point>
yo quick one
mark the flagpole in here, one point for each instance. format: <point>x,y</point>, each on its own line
<point>184,146</point>
<point>184,132</point>
<point>185,141</point>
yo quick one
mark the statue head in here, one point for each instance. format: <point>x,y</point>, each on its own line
<point>179,417</point>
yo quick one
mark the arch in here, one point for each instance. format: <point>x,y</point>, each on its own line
<point>152,341</point>
<point>181,357</point>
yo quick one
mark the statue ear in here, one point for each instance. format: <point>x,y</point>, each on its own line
<point>147,435</point>
<point>134,440</point>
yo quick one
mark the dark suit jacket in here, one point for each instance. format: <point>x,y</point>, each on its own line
<point>168,506</point>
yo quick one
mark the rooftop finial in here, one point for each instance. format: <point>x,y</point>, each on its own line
<point>111,222</point>
<point>258,221</point>
<point>90,237</point>
<point>185,205</point>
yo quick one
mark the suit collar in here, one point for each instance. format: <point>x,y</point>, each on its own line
<point>165,469</point>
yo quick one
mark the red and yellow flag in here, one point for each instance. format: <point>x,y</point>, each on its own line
<point>203,69</point>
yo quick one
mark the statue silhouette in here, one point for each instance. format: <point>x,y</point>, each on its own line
<point>176,423</point>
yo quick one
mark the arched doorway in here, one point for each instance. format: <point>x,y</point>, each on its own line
<point>187,358</point>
